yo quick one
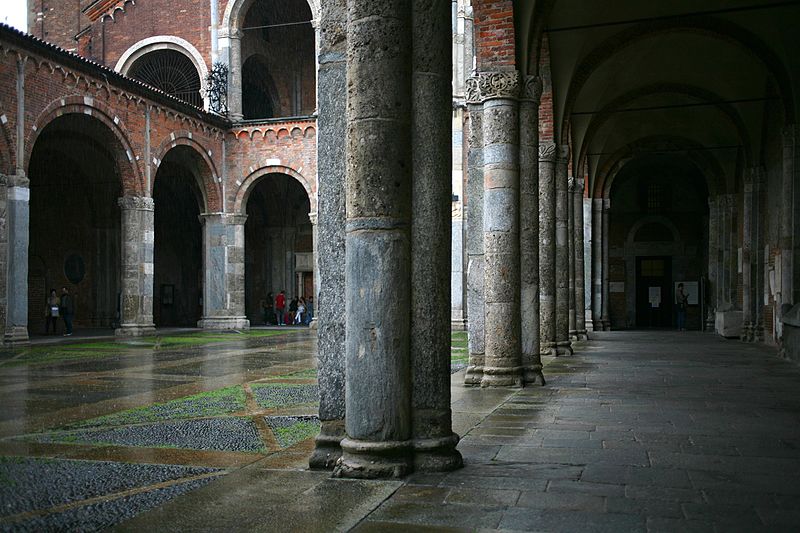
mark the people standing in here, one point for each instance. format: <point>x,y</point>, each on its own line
<point>309,309</point>
<point>51,312</point>
<point>268,309</point>
<point>67,310</point>
<point>301,310</point>
<point>682,299</point>
<point>290,317</point>
<point>280,305</point>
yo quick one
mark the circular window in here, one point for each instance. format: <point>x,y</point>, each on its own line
<point>74,269</point>
<point>171,72</point>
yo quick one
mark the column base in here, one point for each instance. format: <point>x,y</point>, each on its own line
<point>474,375</point>
<point>135,330</point>
<point>606,325</point>
<point>563,348</point>
<point>224,323</point>
<point>16,336</point>
<point>373,460</point>
<point>502,377</point>
<point>327,445</point>
<point>437,454</point>
<point>583,335</point>
<point>458,325</point>
<point>597,325</point>
<point>573,335</point>
<point>548,348</point>
<point>314,324</point>
<point>533,375</point>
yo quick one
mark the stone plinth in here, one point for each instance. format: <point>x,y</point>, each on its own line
<point>729,323</point>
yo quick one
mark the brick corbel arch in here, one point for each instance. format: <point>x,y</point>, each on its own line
<point>131,175</point>
<point>209,179</point>
<point>249,183</point>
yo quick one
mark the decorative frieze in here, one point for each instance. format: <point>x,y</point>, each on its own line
<point>532,89</point>
<point>499,85</point>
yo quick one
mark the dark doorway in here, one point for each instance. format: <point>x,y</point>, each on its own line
<point>653,292</point>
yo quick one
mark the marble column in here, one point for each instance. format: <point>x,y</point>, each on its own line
<point>138,238</point>
<point>474,237</point>
<point>787,226</point>
<point>331,134</point>
<point>235,76</point>
<point>378,241</point>
<point>223,275</point>
<point>580,277</point>
<point>529,229</point>
<point>713,259</point>
<point>597,264</point>
<point>17,219</point>
<point>547,249</point>
<point>563,342</point>
<point>605,316</point>
<point>571,318</point>
<point>434,443</point>
<point>503,363</point>
<point>747,235</point>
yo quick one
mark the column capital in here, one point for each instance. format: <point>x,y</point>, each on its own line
<point>139,203</point>
<point>547,152</point>
<point>571,184</point>
<point>472,91</point>
<point>312,216</point>
<point>606,204</point>
<point>532,89</point>
<point>15,180</point>
<point>580,182</point>
<point>499,84</point>
<point>228,219</point>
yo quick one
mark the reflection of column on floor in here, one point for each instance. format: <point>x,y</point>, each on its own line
<point>329,308</point>
<point>474,237</point>
<point>547,248</point>
<point>137,217</point>
<point>529,229</point>
<point>563,343</point>
<point>16,190</point>
<point>223,261</point>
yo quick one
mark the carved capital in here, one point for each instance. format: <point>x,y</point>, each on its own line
<point>580,181</point>
<point>138,203</point>
<point>571,184</point>
<point>532,89</point>
<point>563,152</point>
<point>547,152</point>
<point>472,90</point>
<point>499,85</point>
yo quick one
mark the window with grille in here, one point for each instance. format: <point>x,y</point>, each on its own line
<point>171,72</point>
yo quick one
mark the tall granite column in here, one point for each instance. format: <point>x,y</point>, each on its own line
<point>434,442</point>
<point>17,213</point>
<point>758,255</point>
<point>474,238</point>
<point>597,264</point>
<point>529,228</point>
<point>747,236</point>
<point>331,134</point>
<point>547,248</point>
<point>503,364</point>
<point>223,264</point>
<point>605,316</point>
<point>580,277</point>
<point>571,318</point>
<point>138,237</point>
<point>713,259</point>
<point>378,241</point>
<point>235,76</point>
<point>563,342</point>
<point>787,227</point>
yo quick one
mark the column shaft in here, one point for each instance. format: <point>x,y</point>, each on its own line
<point>331,168</point>
<point>378,241</point>
<point>503,363</point>
<point>787,228</point>
<point>606,310</point>
<point>713,265</point>
<point>17,218</point>
<point>563,343</point>
<point>597,264</point>
<point>138,239</point>
<point>431,420</point>
<point>757,254</point>
<point>235,111</point>
<point>571,318</point>
<point>580,278</point>
<point>547,248</point>
<point>747,235</point>
<point>529,229</point>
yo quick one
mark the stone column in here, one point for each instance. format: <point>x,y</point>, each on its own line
<point>223,265</point>
<point>503,364</point>
<point>563,343</point>
<point>729,257</point>
<point>597,264</point>
<point>757,255</point>
<point>378,241</point>
<point>331,134</point>
<point>571,271</point>
<point>713,259</point>
<point>547,249</point>
<point>605,314</point>
<point>787,227</point>
<point>434,442</point>
<point>17,218</point>
<point>474,237</point>
<point>138,238</point>
<point>529,229</point>
<point>747,235</point>
<point>235,77</point>
<point>580,278</point>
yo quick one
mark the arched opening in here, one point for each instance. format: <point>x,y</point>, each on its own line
<point>178,253</point>
<point>170,71</point>
<point>278,49</point>
<point>657,238</point>
<point>75,221</point>
<point>278,245</point>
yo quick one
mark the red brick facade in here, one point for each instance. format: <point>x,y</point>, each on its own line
<point>494,34</point>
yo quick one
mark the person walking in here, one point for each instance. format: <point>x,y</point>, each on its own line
<point>51,312</point>
<point>280,305</point>
<point>67,310</point>
<point>682,299</point>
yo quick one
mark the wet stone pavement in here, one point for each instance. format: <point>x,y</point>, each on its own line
<point>657,431</point>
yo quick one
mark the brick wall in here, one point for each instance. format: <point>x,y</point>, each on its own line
<point>57,21</point>
<point>494,34</point>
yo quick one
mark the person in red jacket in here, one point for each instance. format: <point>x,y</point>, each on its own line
<point>280,305</point>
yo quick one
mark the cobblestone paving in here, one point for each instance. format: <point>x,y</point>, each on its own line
<point>638,432</point>
<point>284,395</point>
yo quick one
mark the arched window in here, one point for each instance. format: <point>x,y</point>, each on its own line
<point>171,72</point>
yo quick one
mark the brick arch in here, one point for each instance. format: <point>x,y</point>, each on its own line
<point>709,26</point>
<point>706,163</point>
<point>249,183</point>
<point>130,173</point>
<point>697,93</point>
<point>209,178</point>
<point>236,10</point>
